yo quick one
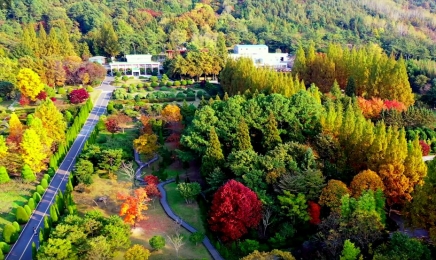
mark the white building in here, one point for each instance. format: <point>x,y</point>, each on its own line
<point>98,59</point>
<point>260,56</point>
<point>137,64</point>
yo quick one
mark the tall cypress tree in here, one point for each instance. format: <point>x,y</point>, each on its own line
<point>271,135</point>
<point>214,155</point>
<point>243,136</point>
<point>350,89</point>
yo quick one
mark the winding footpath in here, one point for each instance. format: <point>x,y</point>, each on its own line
<point>164,202</point>
<point>22,249</point>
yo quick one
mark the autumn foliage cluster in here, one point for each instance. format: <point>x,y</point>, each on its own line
<point>133,206</point>
<point>373,107</point>
<point>78,96</point>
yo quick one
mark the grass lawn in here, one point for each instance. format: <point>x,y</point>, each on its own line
<point>128,82</point>
<point>94,95</point>
<point>12,194</point>
<point>158,223</point>
<point>190,213</point>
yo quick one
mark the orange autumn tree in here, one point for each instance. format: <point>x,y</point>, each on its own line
<point>370,108</point>
<point>171,115</point>
<point>133,206</point>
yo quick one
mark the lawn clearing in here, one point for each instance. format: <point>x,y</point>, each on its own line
<point>13,194</point>
<point>190,213</point>
<point>94,95</point>
<point>158,223</point>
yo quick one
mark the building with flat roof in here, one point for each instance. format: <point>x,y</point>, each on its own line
<point>98,59</point>
<point>136,65</point>
<point>260,56</point>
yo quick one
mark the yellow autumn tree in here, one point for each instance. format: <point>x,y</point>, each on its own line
<point>32,151</point>
<point>146,144</point>
<point>332,193</point>
<point>3,147</point>
<point>29,83</point>
<point>45,139</point>
<point>366,180</point>
<point>15,126</point>
<point>171,113</point>
<point>52,120</point>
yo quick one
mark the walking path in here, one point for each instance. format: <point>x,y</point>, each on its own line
<point>22,249</point>
<point>163,201</point>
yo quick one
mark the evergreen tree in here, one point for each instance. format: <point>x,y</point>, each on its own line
<point>214,155</point>
<point>336,90</point>
<point>4,177</point>
<point>54,215</point>
<point>108,39</point>
<point>22,216</point>
<point>299,67</point>
<point>42,42</point>
<point>350,90</point>
<point>243,136</point>
<point>3,147</point>
<point>350,251</point>
<point>33,151</point>
<point>271,136</point>
<point>27,173</point>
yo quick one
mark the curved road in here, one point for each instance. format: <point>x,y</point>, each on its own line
<point>22,249</point>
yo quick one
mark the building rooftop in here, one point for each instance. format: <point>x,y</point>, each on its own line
<point>251,45</point>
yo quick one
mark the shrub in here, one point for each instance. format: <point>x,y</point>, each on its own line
<point>164,89</point>
<point>44,183</point>
<point>51,172</point>
<point>183,82</point>
<point>36,197</point>
<point>5,248</point>
<point>27,173</point>
<point>16,226</point>
<point>9,234</point>
<point>137,252</point>
<point>47,177</point>
<point>201,94</point>
<point>89,89</point>
<point>169,84</point>
<point>40,190</point>
<point>196,237</point>
<point>190,82</point>
<point>21,215</point>
<point>124,78</point>
<point>4,177</point>
<point>424,147</point>
<point>162,84</point>
<point>142,77</point>
<point>140,85</point>
<point>28,210</point>
<point>31,204</point>
<point>171,95</point>
<point>131,77</point>
<point>180,95</point>
<point>157,242</point>
<point>177,83</point>
<point>118,74</point>
<point>62,91</point>
<point>150,89</point>
<point>153,79</point>
<point>154,84</point>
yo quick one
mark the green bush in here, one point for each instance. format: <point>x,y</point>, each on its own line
<point>154,84</point>
<point>154,79</point>
<point>171,95</point>
<point>147,84</point>
<point>180,95</point>
<point>21,215</point>
<point>190,82</point>
<point>164,89</point>
<point>157,242</point>
<point>31,204</point>
<point>28,210</point>
<point>5,248</point>
<point>183,82</point>
<point>150,89</point>
<point>196,237</point>
<point>27,173</point>
<point>201,94</point>
<point>9,233</point>
<point>16,226</point>
<point>40,190</point>
<point>51,172</point>
<point>162,84</point>
<point>62,91</point>
<point>4,177</point>
<point>169,84</point>
<point>177,83</point>
<point>124,78</point>
<point>47,177</point>
<point>36,197</point>
<point>44,183</point>
<point>89,89</point>
<point>140,85</point>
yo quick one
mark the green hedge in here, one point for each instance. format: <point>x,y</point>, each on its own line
<point>22,216</point>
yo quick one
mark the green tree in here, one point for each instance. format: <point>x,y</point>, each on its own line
<point>271,134</point>
<point>27,173</point>
<point>83,171</point>
<point>108,40</point>
<point>4,177</point>
<point>401,246</point>
<point>189,191</point>
<point>22,216</point>
<point>56,248</point>
<point>350,90</point>
<point>214,156</point>
<point>294,206</point>
<point>137,252</point>
<point>196,237</point>
<point>9,233</point>
<point>243,136</point>
<point>350,252</point>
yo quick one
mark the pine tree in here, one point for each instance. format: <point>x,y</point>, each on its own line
<point>22,216</point>
<point>42,42</point>
<point>53,45</point>
<point>54,214</point>
<point>336,90</point>
<point>67,47</point>
<point>271,135</point>
<point>4,177</point>
<point>15,126</point>
<point>47,227</point>
<point>415,167</point>
<point>350,90</point>
<point>243,136</point>
<point>299,67</point>
<point>33,151</point>
<point>214,155</point>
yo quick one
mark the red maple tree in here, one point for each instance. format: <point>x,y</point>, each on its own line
<point>151,180</point>
<point>424,147</point>
<point>152,192</point>
<point>24,101</point>
<point>112,125</point>
<point>42,95</point>
<point>393,104</point>
<point>78,96</point>
<point>235,209</point>
<point>314,213</point>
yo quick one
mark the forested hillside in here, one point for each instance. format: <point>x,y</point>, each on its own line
<point>402,26</point>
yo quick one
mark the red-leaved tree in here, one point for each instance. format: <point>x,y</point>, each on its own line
<point>151,180</point>
<point>42,95</point>
<point>153,192</point>
<point>314,213</point>
<point>235,209</point>
<point>393,104</point>
<point>78,96</point>
<point>24,101</point>
<point>424,147</point>
<point>112,125</point>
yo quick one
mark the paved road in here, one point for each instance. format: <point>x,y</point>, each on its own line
<point>22,249</point>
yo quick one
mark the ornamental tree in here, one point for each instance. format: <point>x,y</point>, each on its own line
<point>133,206</point>
<point>29,83</point>
<point>146,144</point>
<point>33,151</point>
<point>189,191</point>
<point>112,125</point>
<point>366,180</point>
<point>314,213</point>
<point>235,209</point>
<point>78,96</point>
<point>137,252</point>
<point>331,194</point>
